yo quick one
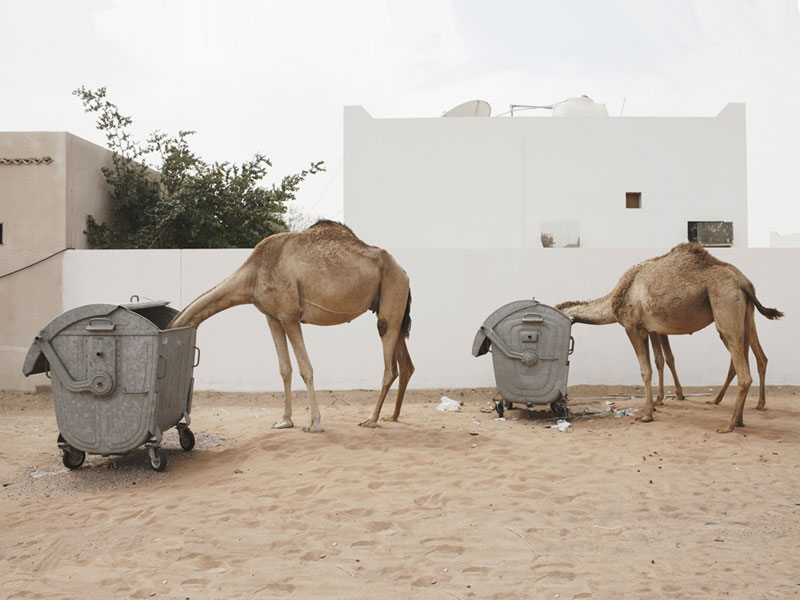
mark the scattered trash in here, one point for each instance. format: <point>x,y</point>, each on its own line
<point>449,405</point>
<point>622,412</point>
<point>611,409</point>
<point>500,419</point>
<point>562,425</point>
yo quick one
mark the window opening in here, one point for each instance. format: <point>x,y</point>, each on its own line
<point>633,199</point>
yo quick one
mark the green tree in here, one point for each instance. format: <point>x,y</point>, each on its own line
<point>165,196</point>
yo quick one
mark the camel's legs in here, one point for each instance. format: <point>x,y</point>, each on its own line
<point>403,359</point>
<point>658,357</point>
<point>761,362</point>
<point>285,364</point>
<point>733,328</point>
<point>295,335</point>
<point>671,364</point>
<point>390,370</point>
<point>724,388</point>
<point>638,339</point>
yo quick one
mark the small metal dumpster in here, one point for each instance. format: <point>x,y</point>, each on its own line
<point>530,344</point>
<point>120,379</point>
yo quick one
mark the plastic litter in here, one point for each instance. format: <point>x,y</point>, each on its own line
<point>449,405</point>
<point>563,426</point>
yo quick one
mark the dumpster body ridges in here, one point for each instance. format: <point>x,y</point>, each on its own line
<point>119,379</point>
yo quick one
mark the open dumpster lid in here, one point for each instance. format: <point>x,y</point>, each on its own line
<point>157,312</point>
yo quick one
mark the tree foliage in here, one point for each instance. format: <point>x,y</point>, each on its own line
<point>165,196</point>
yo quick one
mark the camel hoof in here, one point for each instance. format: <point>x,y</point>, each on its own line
<point>727,429</point>
<point>313,428</point>
<point>392,419</point>
<point>715,401</point>
<point>645,418</point>
<point>681,397</point>
<point>761,407</point>
<point>283,424</point>
<point>658,402</point>
<point>368,423</point>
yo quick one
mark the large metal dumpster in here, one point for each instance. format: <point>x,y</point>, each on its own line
<point>120,379</point>
<point>530,344</point>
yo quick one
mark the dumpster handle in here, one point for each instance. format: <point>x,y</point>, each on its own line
<point>571,345</point>
<point>99,383</point>
<point>525,357</point>
<point>162,360</point>
<point>197,357</point>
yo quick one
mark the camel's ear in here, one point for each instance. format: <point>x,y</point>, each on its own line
<point>481,344</point>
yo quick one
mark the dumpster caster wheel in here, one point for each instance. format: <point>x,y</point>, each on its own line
<point>73,459</point>
<point>186,438</point>
<point>559,408</point>
<point>498,406</point>
<point>158,458</point>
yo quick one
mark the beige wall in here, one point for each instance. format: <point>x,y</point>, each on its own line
<point>87,192</point>
<point>32,198</point>
<point>43,210</point>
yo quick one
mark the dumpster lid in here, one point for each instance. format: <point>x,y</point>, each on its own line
<point>481,344</point>
<point>136,306</point>
<point>156,311</point>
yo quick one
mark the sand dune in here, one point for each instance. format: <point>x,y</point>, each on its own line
<point>442,505</point>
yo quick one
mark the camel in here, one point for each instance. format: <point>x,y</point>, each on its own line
<point>680,292</point>
<point>324,275</point>
<point>661,349</point>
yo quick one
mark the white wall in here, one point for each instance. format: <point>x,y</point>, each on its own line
<point>490,182</point>
<point>453,292</point>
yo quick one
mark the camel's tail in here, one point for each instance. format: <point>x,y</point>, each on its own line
<point>405,328</point>
<point>770,313</point>
<point>234,290</point>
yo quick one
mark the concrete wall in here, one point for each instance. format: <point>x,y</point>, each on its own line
<point>43,210</point>
<point>454,291</point>
<point>87,192</point>
<point>32,198</point>
<point>492,183</point>
<point>789,240</point>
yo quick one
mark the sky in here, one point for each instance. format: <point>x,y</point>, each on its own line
<point>273,76</point>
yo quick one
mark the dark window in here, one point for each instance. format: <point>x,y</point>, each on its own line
<point>711,233</point>
<point>633,199</point>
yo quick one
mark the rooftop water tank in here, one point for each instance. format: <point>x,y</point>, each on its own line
<point>582,106</point>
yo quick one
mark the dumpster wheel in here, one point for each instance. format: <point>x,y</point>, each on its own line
<point>186,438</point>
<point>73,459</point>
<point>559,408</point>
<point>158,458</point>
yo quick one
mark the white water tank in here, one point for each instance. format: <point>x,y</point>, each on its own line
<point>581,106</point>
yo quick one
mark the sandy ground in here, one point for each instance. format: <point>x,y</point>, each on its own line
<point>443,505</point>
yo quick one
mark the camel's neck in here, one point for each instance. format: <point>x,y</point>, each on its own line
<point>236,289</point>
<point>592,312</point>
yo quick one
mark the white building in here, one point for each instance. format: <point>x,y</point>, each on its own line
<point>524,182</point>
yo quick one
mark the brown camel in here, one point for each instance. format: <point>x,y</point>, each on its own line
<point>680,292</point>
<point>324,275</point>
<point>661,349</point>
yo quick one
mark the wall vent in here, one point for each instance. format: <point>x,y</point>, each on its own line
<point>711,233</point>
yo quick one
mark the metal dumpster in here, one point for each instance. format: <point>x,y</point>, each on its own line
<point>120,379</point>
<point>530,344</point>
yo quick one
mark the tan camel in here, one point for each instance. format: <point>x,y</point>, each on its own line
<point>661,348</point>
<point>680,292</point>
<point>324,275</point>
